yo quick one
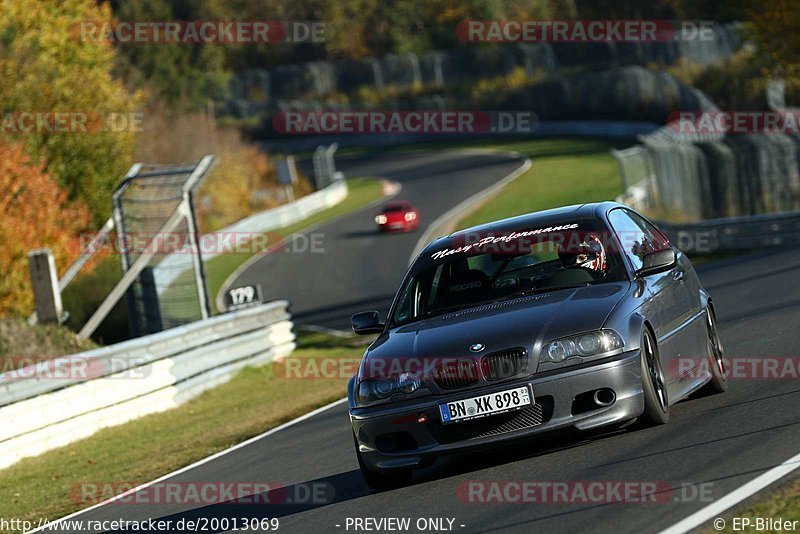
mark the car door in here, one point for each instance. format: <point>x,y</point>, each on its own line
<point>667,308</point>
<point>689,332</point>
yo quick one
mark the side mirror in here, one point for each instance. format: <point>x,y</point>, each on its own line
<point>368,322</point>
<point>658,262</point>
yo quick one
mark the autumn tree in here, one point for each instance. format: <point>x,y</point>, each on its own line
<point>47,66</point>
<point>36,213</point>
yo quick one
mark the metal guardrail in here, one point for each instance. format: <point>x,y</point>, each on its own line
<point>41,409</point>
<point>325,165</point>
<point>735,233</point>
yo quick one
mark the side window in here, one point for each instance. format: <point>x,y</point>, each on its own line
<point>653,239</point>
<point>403,312</point>
<point>435,287</point>
<point>630,236</point>
<point>410,302</point>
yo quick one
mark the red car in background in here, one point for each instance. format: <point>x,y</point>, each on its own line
<point>397,215</point>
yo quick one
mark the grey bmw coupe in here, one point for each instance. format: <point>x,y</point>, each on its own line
<point>581,317</point>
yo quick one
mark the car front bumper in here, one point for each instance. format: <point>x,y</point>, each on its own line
<point>391,436</point>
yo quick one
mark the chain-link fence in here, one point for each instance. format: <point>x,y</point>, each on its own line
<point>155,219</point>
<point>681,174</point>
<point>741,174</point>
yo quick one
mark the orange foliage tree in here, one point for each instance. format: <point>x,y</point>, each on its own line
<point>35,214</point>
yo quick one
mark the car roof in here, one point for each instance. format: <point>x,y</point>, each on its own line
<point>538,218</point>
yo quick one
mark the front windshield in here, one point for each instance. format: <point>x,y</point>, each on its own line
<point>476,268</point>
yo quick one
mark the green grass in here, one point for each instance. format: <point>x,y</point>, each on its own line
<point>22,344</point>
<point>255,400</point>
<point>783,503</point>
<point>564,171</point>
<point>362,191</point>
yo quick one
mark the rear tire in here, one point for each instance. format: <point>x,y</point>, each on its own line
<point>656,401</point>
<point>718,382</point>
<point>381,481</point>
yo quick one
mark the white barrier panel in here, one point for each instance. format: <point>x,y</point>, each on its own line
<point>173,265</point>
<point>288,214</point>
<point>163,370</point>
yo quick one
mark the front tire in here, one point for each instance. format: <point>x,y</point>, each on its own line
<point>381,481</point>
<point>656,401</point>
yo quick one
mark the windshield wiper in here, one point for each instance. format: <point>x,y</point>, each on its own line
<point>453,308</point>
<point>540,290</point>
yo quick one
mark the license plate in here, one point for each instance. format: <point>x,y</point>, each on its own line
<point>491,404</point>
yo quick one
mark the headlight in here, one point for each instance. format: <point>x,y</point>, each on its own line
<point>589,345</point>
<point>410,216</point>
<point>381,219</point>
<point>376,389</point>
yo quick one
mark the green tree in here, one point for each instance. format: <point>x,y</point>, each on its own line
<point>773,26</point>
<point>46,67</point>
<point>182,74</point>
<point>373,27</point>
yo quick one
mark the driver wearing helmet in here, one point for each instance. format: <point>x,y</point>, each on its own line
<point>588,254</point>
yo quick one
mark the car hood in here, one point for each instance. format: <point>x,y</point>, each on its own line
<point>526,322</point>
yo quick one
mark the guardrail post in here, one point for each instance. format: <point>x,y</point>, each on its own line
<point>330,163</point>
<point>44,280</point>
<point>320,177</point>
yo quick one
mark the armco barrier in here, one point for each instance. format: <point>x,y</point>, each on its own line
<point>170,268</point>
<point>735,233</point>
<point>135,378</point>
<point>287,214</point>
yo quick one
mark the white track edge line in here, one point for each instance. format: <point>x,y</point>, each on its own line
<point>716,508</point>
<point>433,228</point>
<point>50,524</point>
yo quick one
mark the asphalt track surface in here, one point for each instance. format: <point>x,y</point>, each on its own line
<point>717,443</point>
<point>346,266</point>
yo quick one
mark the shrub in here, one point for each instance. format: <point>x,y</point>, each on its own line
<point>226,196</point>
<point>36,213</point>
